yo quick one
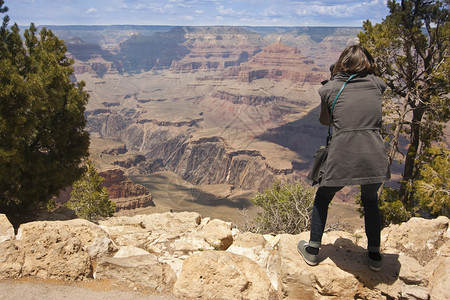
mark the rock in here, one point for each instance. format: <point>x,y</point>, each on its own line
<point>127,235</point>
<point>296,277</point>
<point>222,275</point>
<point>6,229</point>
<point>11,260</point>
<point>144,270</point>
<point>87,232</point>
<point>415,292</point>
<point>101,246</point>
<point>59,249</point>
<point>279,61</point>
<point>256,247</point>
<point>440,278</point>
<point>126,194</point>
<point>217,233</point>
<point>153,250</point>
<point>418,238</point>
<point>170,223</point>
<point>412,272</point>
<point>171,236</point>
<point>115,150</point>
<point>342,272</point>
<point>56,256</point>
<point>127,251</point>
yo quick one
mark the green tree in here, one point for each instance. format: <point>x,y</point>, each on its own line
<point>42,125</point>
<point>89,199</point>
<point>411,47</point>
<point>286,208</point>
<point>433,187</point>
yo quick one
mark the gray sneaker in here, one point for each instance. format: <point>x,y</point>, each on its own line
<point>375,265</point>
<point>310,259</point>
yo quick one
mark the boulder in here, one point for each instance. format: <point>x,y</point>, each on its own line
<point>6,229</point>
<point>11,260</point>
<point>217,233</point>
<point>418,238</point>
<point>127,235</point>
<point>222,275</point>
<point>299,279</point>
<point>258,249</point>
<point>154,250</point>
<point>145,270</point>
<point>101,246</point>
<point>127,251</point>
<point>438,271</point>
<point>87,232</point>
<point>167,223</point>
<point>342,272</point>
<point>61,249</point>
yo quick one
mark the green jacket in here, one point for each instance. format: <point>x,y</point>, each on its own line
<point>356,152</point>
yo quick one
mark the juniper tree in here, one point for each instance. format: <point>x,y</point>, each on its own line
<point>411,46</point>
<point>42,125</point>
<point>89,199</point>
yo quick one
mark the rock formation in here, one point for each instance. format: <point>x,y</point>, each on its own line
<point>122,191</point>
<point>190,257</point>
<point>125,193</point>
<point>216,48</point>
<point>279,61</point>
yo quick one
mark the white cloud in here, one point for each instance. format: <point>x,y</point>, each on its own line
<point>226,11</point>
<point>91,10</point>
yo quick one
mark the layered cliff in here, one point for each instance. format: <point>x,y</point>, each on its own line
<point>216,48</point>
<point>124,193</point>
<point>279,61</point>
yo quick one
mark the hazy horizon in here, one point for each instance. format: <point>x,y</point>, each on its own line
<point>261,13</point>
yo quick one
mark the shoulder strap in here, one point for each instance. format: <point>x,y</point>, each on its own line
<point>332,107</point>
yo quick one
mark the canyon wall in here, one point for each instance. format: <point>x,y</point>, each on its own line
<point>216,105</point>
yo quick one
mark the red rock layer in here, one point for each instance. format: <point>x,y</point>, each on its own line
<point>279,61</point>
<point>125,193</point>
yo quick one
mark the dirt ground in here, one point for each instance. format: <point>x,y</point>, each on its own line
<point>34,289</point>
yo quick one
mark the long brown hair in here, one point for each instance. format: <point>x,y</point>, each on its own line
<point>355,59</point>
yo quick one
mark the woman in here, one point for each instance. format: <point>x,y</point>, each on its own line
<point>356,154</point>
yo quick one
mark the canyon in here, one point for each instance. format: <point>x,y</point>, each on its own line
<point>216,106</point>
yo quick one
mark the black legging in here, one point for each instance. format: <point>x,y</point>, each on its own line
<point>372,220</point>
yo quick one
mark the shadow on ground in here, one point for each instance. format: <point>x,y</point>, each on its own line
<point>353,259</point>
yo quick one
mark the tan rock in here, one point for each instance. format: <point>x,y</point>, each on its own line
<point>222,275</point>
<point>256,247</point>
<point>87,232</point>
<point>127,235</point>
<point>6,229</point>
<point>11,260</point>
<point>101,246</point>
<point>342,272</point>
<point>124,193</point>
<point>440,278</point>
<point>217,233</point>
<point>415,292</point>
<point>418,238</point>
<point>145,270</point>
<point>57,256</point>
<point>411,271</point>
<point>168,223</point>
<point>60,249</point>
<point>127,251</point>
<point>334,276</point>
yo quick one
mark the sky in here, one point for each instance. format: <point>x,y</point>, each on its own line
<point>197,12</point>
